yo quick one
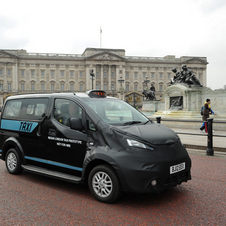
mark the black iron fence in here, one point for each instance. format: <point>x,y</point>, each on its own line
<point>210,135</point>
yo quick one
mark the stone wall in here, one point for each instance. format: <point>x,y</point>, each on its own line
<point>153,106</point>
<point>218,101</point>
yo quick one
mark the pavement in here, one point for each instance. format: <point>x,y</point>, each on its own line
<point>197,142</point>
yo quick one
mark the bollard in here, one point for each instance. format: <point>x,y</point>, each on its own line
<point>158,120</point>
<point>209,150</point>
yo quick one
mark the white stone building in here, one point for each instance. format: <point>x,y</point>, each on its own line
<point>23,72</point>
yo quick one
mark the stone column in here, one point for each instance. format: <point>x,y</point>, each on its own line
<point>124,77</point>
<point>117,78</point>
<point>109,77</point>
<point>186,96</point>
<point>15,76</point>
<point>102,77</point>
<point>204,76</point>
<point>5,84</point>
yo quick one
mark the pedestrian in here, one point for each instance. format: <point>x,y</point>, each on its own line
<point>205,116</point>
<point>210,112</point>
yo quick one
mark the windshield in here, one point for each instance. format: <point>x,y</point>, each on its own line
<point>115,111</point>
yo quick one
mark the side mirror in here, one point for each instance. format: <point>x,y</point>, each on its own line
<point>76,124</point>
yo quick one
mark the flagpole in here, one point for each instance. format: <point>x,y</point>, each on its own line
<point>100,37</point>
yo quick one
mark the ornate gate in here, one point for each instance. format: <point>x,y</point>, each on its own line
<point>134,98</point>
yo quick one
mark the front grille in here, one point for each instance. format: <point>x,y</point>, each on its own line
<point>178,177</point>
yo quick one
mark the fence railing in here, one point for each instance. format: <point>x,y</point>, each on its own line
<point>209,150</point>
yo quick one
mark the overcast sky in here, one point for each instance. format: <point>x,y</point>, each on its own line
<point>152,28</point>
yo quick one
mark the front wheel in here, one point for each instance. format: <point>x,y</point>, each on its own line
<point>13,162</point>
<point>104,184</point>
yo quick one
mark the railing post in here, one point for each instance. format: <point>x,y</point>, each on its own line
<point>158,120</point>
<point>209,150</point>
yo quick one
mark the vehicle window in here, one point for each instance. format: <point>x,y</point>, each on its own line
<point>30,109</point>
<point>40,109</point>
<point>12,109</point>
<point>34,109</point>
<point>114,111</point>
<point>66,109</point>
<point>90,124</point>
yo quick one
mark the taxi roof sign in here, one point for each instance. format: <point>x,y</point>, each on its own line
<point>97,93</point>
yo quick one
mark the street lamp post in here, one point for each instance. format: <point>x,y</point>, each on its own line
<point>121,81</point>
<point>121,88</point>
<point>113,94</point>
<point>92,75</point>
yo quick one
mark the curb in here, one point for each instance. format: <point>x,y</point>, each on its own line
<point>200,147</point>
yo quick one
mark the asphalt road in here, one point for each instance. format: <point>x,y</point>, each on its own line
<point>30,199</point>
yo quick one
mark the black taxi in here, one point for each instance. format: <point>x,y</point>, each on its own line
<point>91,138</point>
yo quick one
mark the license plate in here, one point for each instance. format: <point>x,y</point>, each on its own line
<point>177,168</point>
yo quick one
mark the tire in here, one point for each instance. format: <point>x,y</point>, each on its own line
<point>13,161</point>
<point>104,184</point>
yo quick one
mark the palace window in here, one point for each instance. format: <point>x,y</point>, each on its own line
<point>22,86</point>
<point>32,86</point>
<point>42,87</point>
<point>32,73</point>
<point>9,87</point>
<point>52,87</point>
<point>71,87</point>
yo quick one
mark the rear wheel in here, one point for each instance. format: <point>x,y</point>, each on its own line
<point>13,162</point>
<point>104,184</point>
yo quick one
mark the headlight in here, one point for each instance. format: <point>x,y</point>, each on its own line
<point>138,144</point>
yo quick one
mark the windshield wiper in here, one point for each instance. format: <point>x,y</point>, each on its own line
<point>146,122</point>
<point>132,122</point>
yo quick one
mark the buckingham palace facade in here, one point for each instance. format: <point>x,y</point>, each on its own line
<point>114,72</point>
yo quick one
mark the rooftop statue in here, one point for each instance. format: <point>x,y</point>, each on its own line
<point>185,76</point>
